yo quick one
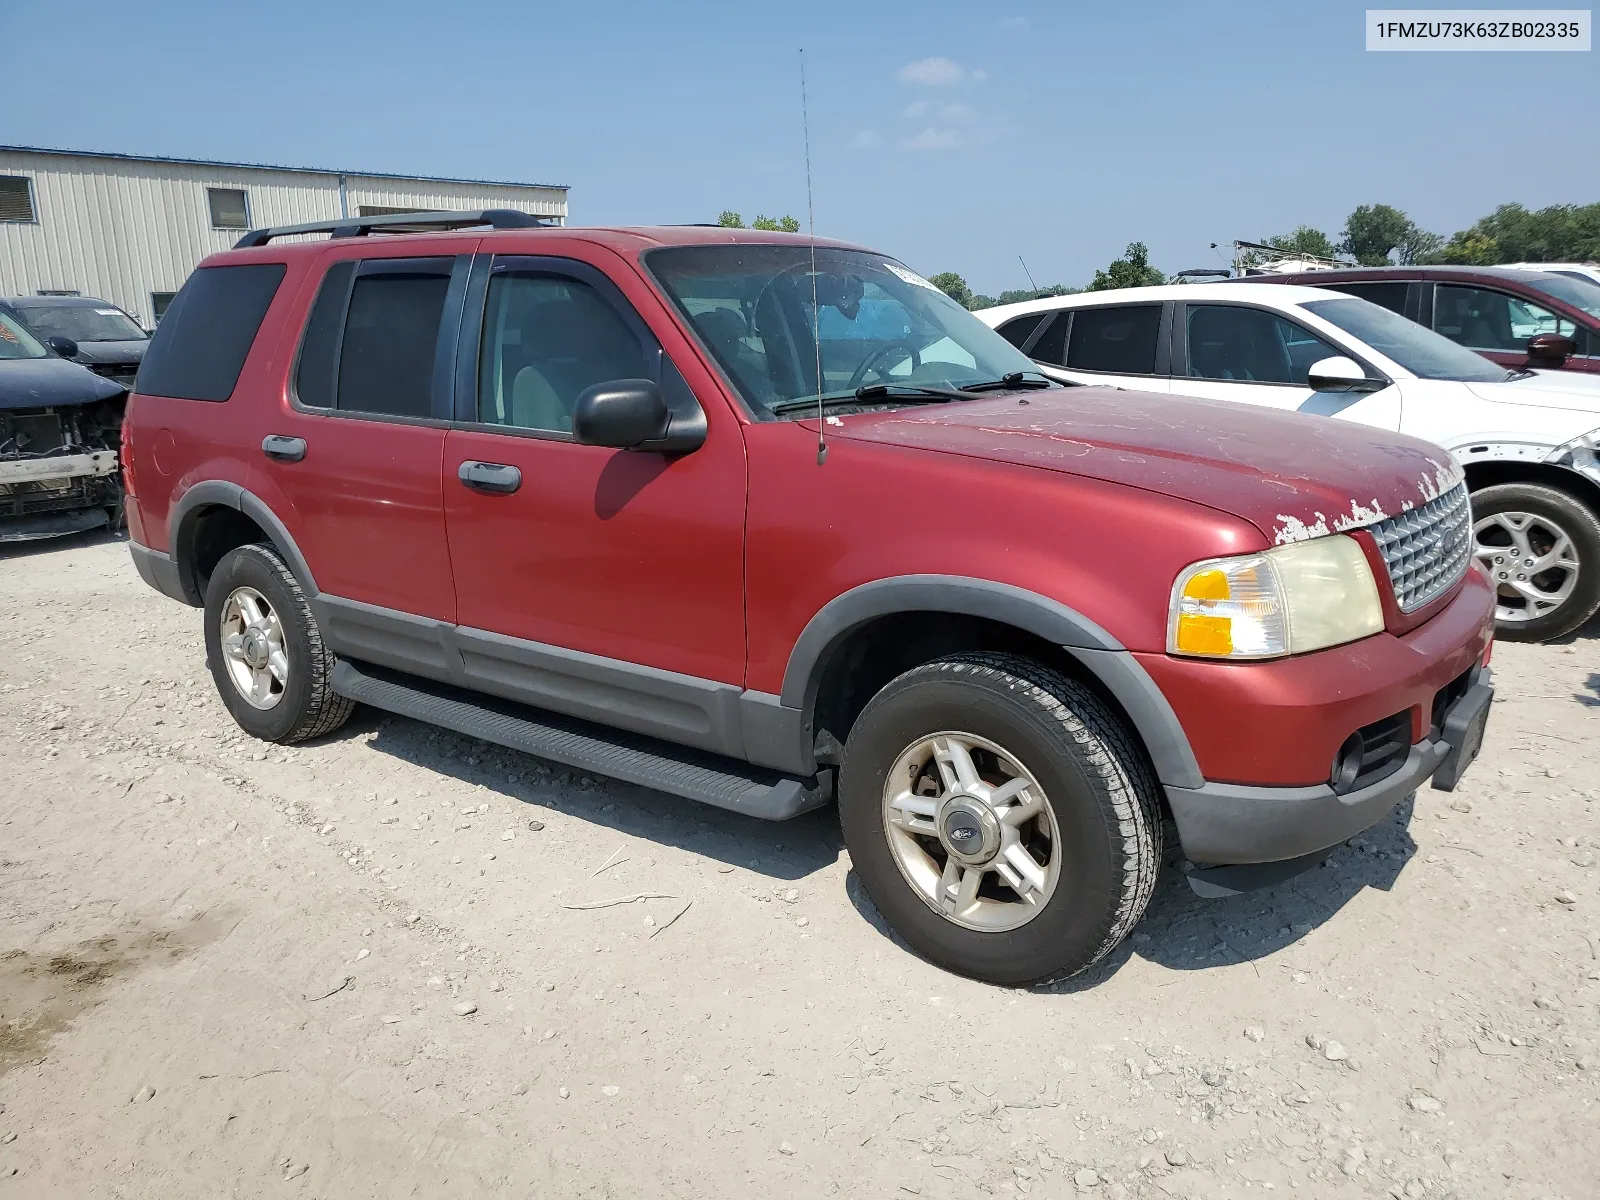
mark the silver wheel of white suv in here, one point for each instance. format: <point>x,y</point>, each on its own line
<point>251,637</point>
<point>1531,560</point>
<point>972,831</point>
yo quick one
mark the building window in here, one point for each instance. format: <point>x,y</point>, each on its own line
<point>228,208</point>
<point>159,303</point>
<point>16,199</point>
<point>383,210</point>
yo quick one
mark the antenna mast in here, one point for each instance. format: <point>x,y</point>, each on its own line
<point>811,234</point>
<point>1028,273</point>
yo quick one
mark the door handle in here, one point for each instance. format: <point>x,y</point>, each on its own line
<point>495,478</point>
<point>284,449</point>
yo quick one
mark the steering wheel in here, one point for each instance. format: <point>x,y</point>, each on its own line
<point>871,360</point>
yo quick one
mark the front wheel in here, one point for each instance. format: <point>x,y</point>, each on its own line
<point>1541,548</point>
<point>1001,817</point>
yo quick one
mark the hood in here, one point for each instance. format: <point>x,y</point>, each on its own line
<point>47,382</point>
<point>1291,475</point>
<point>1576,391</point>
<point>112,353</point>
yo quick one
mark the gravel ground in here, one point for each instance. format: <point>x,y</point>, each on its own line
<point>378,966</point>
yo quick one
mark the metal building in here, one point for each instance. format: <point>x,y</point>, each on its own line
<point>129,228</point>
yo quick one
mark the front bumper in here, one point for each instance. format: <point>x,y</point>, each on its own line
<point>57,494</point>
<point>1289,828</point>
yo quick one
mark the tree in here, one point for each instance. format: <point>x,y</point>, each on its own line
<point>1304,240</point>
<point>952,285</point>
<point>1559,233</point>
<point>1372,231</point>
<point>729,219</point>
<point>1133,269</point>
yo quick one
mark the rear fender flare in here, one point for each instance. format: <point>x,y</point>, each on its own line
<point>215,492</point>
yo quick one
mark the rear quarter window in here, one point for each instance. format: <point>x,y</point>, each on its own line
<point>200,346</point>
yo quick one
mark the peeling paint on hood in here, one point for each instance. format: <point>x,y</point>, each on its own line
<point>1292,475</point>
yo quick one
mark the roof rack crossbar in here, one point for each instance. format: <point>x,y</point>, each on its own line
<point>498,218</point>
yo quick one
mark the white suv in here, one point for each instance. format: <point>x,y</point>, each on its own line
<point>1526,439</point>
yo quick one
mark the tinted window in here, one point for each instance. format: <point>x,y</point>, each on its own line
<point>313,384</point>
<point>1118,339</point>
<point>547,339</point>
<point>1052,344</point>
<point>1390,295</point>
<point>1018,330</point>
<point>1482,319</point>
<point>391,338</point>
<point>200,347</point>
<point>1250,345</point>
<point>1577,290</point>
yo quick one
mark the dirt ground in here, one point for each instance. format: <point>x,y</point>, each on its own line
<point>375,966</point>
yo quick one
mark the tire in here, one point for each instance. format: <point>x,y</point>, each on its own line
<point>1548,511</point>
<point>299,705</point>
<point>1098,787</point>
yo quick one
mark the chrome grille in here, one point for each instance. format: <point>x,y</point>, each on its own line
<point>1426,549</point>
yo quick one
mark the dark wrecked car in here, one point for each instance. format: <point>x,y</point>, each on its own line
<point>60,425</point>
<point>85,329</point>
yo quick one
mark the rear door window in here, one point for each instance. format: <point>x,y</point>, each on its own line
<point>200,347</point>
<point>372,339</point>
<point>1117,339</point>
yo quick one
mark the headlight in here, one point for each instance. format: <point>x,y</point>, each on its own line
<point>1286,600</point>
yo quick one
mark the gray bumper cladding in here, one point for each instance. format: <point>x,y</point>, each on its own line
<point>159,571</point>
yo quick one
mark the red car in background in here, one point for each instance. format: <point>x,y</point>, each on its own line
<point>1517,318</point>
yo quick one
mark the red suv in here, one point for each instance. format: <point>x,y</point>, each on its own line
<point>1517,318</point>
<point>759,521</point>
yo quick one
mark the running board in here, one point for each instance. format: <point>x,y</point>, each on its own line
<point>631,757</point>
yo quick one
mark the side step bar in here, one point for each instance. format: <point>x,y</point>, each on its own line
<point>634,758</point>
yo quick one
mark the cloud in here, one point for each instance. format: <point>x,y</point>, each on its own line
<point>917,108</point>
<point>866,139</point>
<point>932,72</point>
<point>933,138</point>
<point>955,114</point>
<point>979,76</point>
<point>1015,24</point>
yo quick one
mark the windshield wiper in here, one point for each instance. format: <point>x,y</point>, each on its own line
<point>1521,373</point>
<point>1010,382</point>
<point>910,393</point>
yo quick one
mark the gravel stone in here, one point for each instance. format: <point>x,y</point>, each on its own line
<point>1086,1178</point>
<point>1254,1032</point>
<point>1177,1158</point>
<point>1425,1104</point>
<point>465,1009</point>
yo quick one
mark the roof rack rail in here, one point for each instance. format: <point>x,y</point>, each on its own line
<point>499,218</point>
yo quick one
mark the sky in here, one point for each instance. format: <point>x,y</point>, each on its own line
<point>952,134</point>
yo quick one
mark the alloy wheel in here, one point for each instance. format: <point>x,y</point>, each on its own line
<point>252,648</point>
<point>972,831</point>
<point>1531,560</point>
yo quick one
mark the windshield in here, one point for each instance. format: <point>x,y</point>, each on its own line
<point>878,323</point>
<point>1580,293</point>
<point>17,342</point>
<point>1424,353</point>
<point>82,322</point>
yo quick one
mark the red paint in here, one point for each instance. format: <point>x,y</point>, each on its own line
<point>711,564</point>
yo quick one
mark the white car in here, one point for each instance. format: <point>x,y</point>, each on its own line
<point>1527,440</point>
<point>1589,271</point>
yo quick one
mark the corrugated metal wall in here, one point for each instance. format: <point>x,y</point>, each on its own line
<point>122,229</point>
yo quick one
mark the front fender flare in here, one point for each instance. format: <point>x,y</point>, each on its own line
<point>1101,655</point>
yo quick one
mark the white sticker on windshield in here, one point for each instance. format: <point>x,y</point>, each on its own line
<point>107,312</point>
<point>910,276</point>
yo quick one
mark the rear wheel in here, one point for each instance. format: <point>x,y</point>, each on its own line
<point>1541,547</point>
<point>266,652</point>
<point>1001,817</point>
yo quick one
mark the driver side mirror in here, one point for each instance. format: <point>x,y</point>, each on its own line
<point>1550,349</point>
<point>1341,374</point>
<point>63,346</point>
<point>632,414</point>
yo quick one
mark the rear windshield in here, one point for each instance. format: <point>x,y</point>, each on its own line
<point>82,322</point>
<point>200,346</point>
<point>1426,354</point>
<point>1580,293</point>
